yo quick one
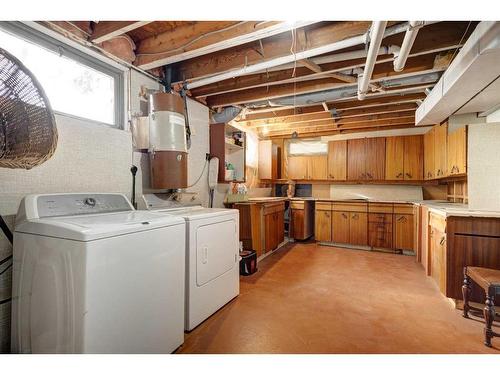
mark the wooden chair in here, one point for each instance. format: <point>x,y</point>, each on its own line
<point>489,280</point>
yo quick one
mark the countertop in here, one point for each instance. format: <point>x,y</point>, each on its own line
<point>439,207</point>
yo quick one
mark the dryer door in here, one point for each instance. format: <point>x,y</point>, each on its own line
<point>216,250</point>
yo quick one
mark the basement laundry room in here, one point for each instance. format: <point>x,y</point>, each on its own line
<point>177,182</point>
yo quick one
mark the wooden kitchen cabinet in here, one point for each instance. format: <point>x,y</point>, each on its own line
<point>301,219</point>
<point>380,225</point>
<point>261,225</point>
<point>358,228</point>
<point>340,226</point>
<point>297,167</point>
<point>323,222</point>
<point>375,158</point>
<point>437,243</point>
<point>337,160</point>
<point>366,159</point>
<point>394,158</point>
<point>404,158</point>
<point>356,155</point>
<point>440,150</point>
<point>268,160</point>
<point>404,228</point>
<point>413,158</point>
<point>317,167</point>
<point>457,152</point>
<point>429,155</point>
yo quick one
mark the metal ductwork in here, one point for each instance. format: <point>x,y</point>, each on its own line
<point>227,114</point>
<point>351,91</point>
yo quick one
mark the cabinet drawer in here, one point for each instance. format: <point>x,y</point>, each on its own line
<point>404,209</point>
<point>378,218</point>
<point>350,207</point>
<point>274,207</point>
<point>297,205</point>
<point>387,208</point>
<point>438,222</point>
<point>324,206</point>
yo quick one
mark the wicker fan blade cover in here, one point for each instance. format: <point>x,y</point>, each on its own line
<point>28,133</point>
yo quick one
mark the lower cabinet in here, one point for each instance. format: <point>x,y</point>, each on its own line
<point>340,226</point>
<point>380,230</point>
<point>404,229</point>
<point>323,222</point>
<point>262,225</point>
<point>358,228</point>
<point>301,219</point>
<point>437,243</point>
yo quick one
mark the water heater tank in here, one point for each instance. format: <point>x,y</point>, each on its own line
<point>167,141</point>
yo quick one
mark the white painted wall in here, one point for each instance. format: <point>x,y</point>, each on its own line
<point>483,164</point>
<point>380,192</point>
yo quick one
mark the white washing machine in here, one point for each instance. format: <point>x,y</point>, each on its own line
<point>92,275</point>
<point>212,256</point>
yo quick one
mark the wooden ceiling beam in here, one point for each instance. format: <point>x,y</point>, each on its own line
<point>106,30</point>
<point>336,132</point>
<point>315,130</point>
<point>203,38</point>
<point>269,48</point>
<point>311,117</point>
<point>345,123</point>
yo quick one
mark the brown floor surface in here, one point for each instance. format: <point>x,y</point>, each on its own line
<point>308,298</point>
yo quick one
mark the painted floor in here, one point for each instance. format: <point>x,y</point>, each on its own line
<point>308,298</point>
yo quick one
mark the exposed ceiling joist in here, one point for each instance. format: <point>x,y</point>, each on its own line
<point>106,30</point>
<point>415,66</point>
<point>197,40</point>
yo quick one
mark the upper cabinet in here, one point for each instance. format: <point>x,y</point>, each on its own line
<point>457,152</point>
<point>440,149</point>
<point>404,158</point>
<point>307,167</point>
<point>268,160</point>
<point>366,159</point>
<point>337,160</point>
<point>429,155</point>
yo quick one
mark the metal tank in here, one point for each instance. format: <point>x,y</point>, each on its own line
<point>167,142</point>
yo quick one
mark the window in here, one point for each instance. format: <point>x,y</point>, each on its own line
<point>307,147</point>
<point>75,83</point>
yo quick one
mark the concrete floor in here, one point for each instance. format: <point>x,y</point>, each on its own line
<point>307,298</point>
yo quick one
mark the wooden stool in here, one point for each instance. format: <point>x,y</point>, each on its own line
<point>489,280</point>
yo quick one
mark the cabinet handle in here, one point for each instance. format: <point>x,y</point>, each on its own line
<point>458,170</point>
<point>369,175</point>
<point>362,176</point>
<point>400,174</point>
<point>443,239</point>
<point>408,175</point>
<point>344,216</point>
<point>355,216</point>
<point>327,214</point>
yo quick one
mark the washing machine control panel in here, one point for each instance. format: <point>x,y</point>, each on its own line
<point>80,204</point>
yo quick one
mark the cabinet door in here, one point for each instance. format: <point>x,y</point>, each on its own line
<point>438,258</point>
<point>356,152</point>
<point>375,158</point>
<point>413,158</point>
<point>358,228</point>
<point>297,167</point>
<point>269,230</point>
<point>317,167</point>
<point>440,148</point>
<point>394,158</point>
<point>380,235</point>
<point>404,231</point>
<point>297,224</point>
<point>337,160</point>
<point>268,160</point>
<point>457,151</point>
<point>280,226</point>
<point>340,226</point>
<point>323,226</point>
<point>429,155</point>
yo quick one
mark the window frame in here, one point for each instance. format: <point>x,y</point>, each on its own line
<point>29,34</point>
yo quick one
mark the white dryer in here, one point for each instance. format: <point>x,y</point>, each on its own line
<point>212,256</point>
<point>92,275</point>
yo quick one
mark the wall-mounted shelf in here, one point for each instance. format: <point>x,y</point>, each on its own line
<point>228,152</point>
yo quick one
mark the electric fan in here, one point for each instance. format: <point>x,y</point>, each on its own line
<point>28,133</point>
